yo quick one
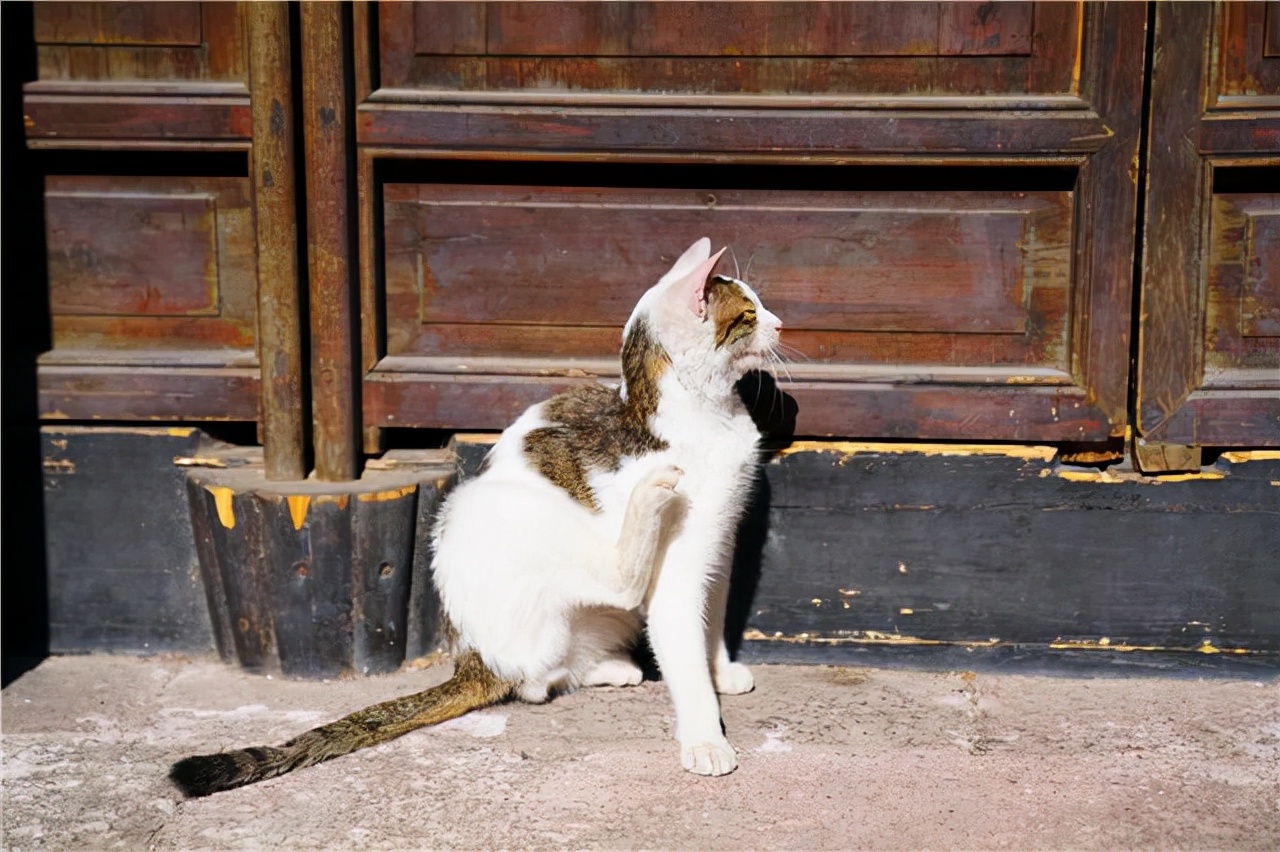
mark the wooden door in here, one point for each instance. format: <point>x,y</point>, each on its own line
<point>938,200</point>
<point>151,257</point>
<point>1209,365</point>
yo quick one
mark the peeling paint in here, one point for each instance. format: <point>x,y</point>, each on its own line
<point>863,637</point>
<point>381,496</point>
<point>849,449</point>
<point>1239,456</point>
<point>52,465</point>
<point>1113,477</point>
<point>199,461</point>
<point>222,496</point>
<point>1105,644</point>
<point>298,505</point>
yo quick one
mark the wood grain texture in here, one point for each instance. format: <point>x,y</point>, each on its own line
<point>140,263</point>
<point>1208,357</point>
<point>125,121</point>
<point>113,42</point>
<point>732,48</point>
<point>331,256</point>
<point>667,133</point>
<point>273,171</point>
<point>834,265</point>
<point>115,393</point>
<point>132,254</point>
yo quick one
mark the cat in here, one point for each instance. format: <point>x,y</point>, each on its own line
<point>598,513</point>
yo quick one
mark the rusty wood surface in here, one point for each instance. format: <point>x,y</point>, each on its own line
<point>117,121</point>
<point>734,49</point>
<point>1209,353</point>
<point>275,214</point>
<point>328,146</point>
<point>112,42</point>
<point>825,408</point>
<point>1171,349</point>
<point>71,392</point>
<point>1107,208</point>
<point>151,264</point>
<point>662,131</point>
<point>944,277</point>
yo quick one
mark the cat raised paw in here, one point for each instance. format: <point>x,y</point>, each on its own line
<point>710,758</point>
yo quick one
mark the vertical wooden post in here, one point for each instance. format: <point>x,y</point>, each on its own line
<point>275,212</point>
<point>326,136</point>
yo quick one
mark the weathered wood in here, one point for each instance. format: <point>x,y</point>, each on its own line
<point>330,251</point>
<point>314,581</point>
<point>115,41</point>
<point>129,391</point>
<point>738,50</point>
<point>122,567</point>
<point>124,119</point>
<point>996,550</point>
<point>1106,208</point>
<point>275,214</point>
<point>664,131</point>
<point>151,263</point>
<point>924,263</point>
<point>1209,354</point>
<point>451,401</point>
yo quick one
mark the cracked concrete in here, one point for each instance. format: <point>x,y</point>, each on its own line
<point>831,757</point>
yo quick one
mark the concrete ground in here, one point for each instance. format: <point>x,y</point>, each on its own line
<point>830,758</point>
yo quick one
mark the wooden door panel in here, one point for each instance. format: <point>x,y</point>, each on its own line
<point>971,289</point>
<point>845,270</point>
<point>138,74</point>
<point>1242,316</point>
<point>702,50</point>
<point>151,263</point>
<point>153,296</point>
<point>167,24</point>
<point>140,41</point>
<point>1209,355</point>
<point>923,311</point>
<point>1250,64</point>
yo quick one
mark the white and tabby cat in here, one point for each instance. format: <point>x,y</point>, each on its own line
<point>597,513</point>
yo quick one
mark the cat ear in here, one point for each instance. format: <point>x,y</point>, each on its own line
<point>695,254</point>
<point>691,288</point>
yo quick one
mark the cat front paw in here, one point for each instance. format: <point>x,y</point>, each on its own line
<point>734,679</point>
<point>709,758</point>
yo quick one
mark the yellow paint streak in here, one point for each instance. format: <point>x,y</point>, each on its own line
<point>862,637</point>
<point>906,610</point>
<point>222,499</point>
<point>1105,644</point>
<point>382,496</point>
<point>1187,477</point>
<point>1238,456</point>
<point>298,505</point>
<point>1113,478</point>
<point>849,449</point>
<point>1075,66</point>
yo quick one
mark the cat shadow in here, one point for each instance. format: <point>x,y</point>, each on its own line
<point>774,412</point>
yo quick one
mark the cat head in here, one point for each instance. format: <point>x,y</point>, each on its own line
<point>712,329</point>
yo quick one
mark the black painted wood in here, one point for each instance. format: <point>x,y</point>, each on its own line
<point>315,578</point>
<point>122,567</point>
<point>987,549</point>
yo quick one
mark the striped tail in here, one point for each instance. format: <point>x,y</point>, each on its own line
<point>472,686</point>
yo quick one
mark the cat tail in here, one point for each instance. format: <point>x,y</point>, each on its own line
<point>472,686</point>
